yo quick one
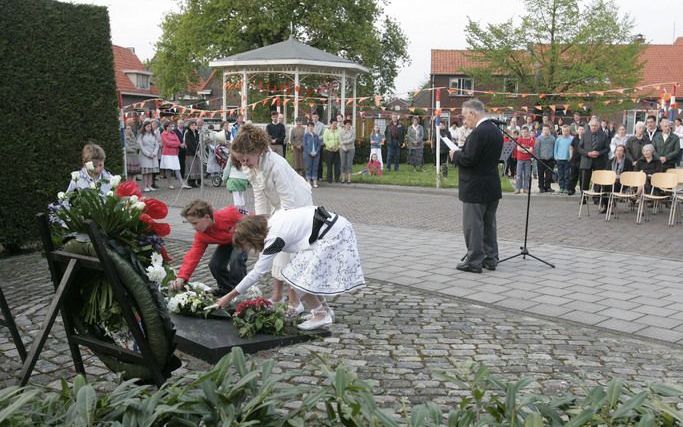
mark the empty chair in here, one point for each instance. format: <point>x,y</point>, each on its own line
<point>665,185</point>
<point>603,178</point>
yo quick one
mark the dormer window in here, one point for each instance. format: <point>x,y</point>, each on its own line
<point>141,79</point>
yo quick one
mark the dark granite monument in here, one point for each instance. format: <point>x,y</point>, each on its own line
<point>212,338</point>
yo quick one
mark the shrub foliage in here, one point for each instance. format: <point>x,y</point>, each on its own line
<point>57,81</point>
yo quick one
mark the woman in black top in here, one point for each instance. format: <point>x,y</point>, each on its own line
<point>193,169</point>
<point>650,165</point>
<point>620,163</point>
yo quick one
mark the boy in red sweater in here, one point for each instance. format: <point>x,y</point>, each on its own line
<point>228,265</point>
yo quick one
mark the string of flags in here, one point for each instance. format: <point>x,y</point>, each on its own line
<point>308,97</point>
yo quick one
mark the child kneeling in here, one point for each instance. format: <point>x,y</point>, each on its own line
<point>324,260</point>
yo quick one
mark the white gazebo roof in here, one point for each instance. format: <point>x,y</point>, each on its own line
<point>290,52</point>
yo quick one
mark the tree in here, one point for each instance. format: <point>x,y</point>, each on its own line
<point>205,30</point>
<point>559,46</point>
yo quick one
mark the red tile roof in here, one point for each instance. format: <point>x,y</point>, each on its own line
<point>662,63</point>
<point>125,59</point>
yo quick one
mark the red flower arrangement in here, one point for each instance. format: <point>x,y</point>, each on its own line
<point>259,315</point>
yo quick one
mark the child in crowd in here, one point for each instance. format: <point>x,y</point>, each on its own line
<point>276,186</point>
<point>311,154</point>
<point>374,167</point>
<point>522,184</point>
<point>236,182</point>
<point>92,172</point>
<point>376,144</point>
<point>562,154</point>
<point>324,257</point>
<point>228,265</point>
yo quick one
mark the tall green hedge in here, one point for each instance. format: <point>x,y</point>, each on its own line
<point>58,92</point>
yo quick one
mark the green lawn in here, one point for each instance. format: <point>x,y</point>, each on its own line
<point>407,176</point>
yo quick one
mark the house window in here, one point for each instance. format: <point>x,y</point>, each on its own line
<point>142,81</point>
<point>460,86</point>
<point>510,85</point>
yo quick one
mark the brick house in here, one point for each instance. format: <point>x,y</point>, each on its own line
<point>133,81</point>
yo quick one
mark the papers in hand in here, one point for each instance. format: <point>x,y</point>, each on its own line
<point>451,145</point>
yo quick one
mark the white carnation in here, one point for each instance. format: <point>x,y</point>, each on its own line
<point>139,205</point>
<point>172,305</point>
<point>115,180</point>
<point>133,199</point>
<point>93,186</point>
<point>156,273</point>
<point>157,259</point>
<point>61,195</point>
<point>74,176</point>
<point>89,166</point>
<point>110,193</point>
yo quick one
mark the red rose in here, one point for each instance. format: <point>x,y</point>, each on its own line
<point>127,189</point>
<point>155,208</point>
<point>160,228</point>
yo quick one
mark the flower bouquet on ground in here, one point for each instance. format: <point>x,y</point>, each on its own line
<point>194,301</point>
<point>259,316</point>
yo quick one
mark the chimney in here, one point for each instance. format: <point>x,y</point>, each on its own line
<point>132,49</point>
<point>679,41</point>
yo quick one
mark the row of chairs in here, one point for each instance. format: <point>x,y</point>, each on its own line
<point>667,187</point>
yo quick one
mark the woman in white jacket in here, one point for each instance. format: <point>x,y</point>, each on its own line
<point>276,186</point>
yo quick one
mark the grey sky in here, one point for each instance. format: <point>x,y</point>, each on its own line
<point>429,24</point>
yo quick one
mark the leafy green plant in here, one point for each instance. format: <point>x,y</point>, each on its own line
<point>242,392</point>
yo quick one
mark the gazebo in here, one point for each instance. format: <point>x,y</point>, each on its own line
<point>290,58</point>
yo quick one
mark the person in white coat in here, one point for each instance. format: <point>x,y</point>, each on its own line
<point>276,186</point>
<point>323,250</point>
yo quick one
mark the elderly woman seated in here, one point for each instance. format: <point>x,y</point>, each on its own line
<point>650,165</point>
<point>620,163</point>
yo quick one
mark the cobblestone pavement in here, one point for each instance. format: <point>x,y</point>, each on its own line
<point>395,335</point>
<point>418,314</point>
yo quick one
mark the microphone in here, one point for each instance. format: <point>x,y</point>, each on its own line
<point>498,122</point>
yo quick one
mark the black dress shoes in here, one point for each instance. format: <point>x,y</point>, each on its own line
<point>466,266</point>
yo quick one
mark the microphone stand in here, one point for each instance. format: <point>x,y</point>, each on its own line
<point>524,250</point>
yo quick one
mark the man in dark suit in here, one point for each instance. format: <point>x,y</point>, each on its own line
<point>479,188</point>
<point>593,147</point>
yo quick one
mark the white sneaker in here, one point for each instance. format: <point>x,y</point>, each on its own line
<point>146,190</point>
<point>153,189</point>
<point>318,323</point>
<point>170,187</point>
<point>187,187</point>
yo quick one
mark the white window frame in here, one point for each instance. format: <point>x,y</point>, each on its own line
<point>459,91</point>
<point>505,85</point>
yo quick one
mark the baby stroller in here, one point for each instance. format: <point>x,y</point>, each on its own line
<point>220,159</point>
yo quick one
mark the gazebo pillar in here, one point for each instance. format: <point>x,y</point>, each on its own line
<point>296,93</point>
<point>353,117</point>
<point>342,107</point>
<point>245,94</point>
<point>224,114</point>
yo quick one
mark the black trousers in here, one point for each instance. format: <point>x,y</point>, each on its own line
<point>573,177</point>
<point>545,174</point>
<point>479,228</point>
<point>333,161</point>
<point>228,266</point>
<point>181,158</point>
<point>321,161</point>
